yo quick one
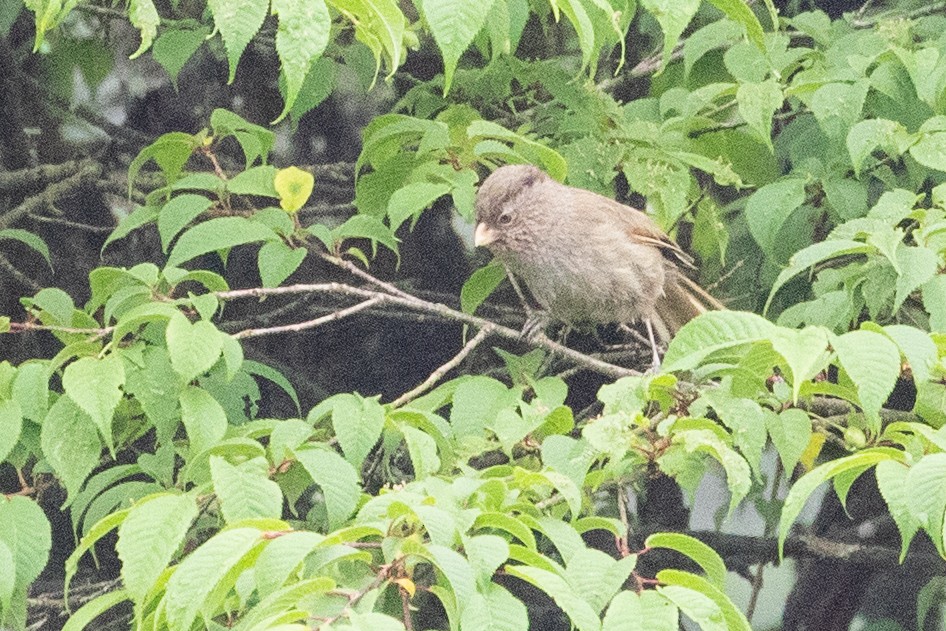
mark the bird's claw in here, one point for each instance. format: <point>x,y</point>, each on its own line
<point>534,327</point>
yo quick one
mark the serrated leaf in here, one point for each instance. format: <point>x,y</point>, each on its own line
<point>693,548</point>
<point>170,151</point>
<point>738,472</point>
<point>366,227</point>
<point>713,331</point>
<point>697,606</point>
<point>338,480</point>
<point>812,255</point>
<point>769,207</point>
<point>29,239</point>
<point>204,419</point>
<point>380,25</point>
<point>581,614</point>
<point>806,485</point>
<point>208,569</point>
<point>357,423</point>
<point>149,536</point>
<point>86,614</point>
<point>758,102</point>
<point>301,37</point>
<point>192,348</point>
<point>734,619</point>
<point>277,261</point>
<point>271,374</point>
<point>596,577</point>
<point>255,141</point>
<point>95,386</point>
<point>411,199</point>
<point>805,353</point>
<point>245,490</point>
<point>552,161</point>
<point>892,484</point>
<point>930,150</point>
<point>143,16</point>
<point>70,442</point>
<point>872,362</point>
<point>238,21</point>
<point>221,233</point>
<point>176,45</point>
<point>790,431</point>
<point>926,499</point>
<point>917,346</point>
<point>422,450</point>
<point>738,11</point>
<point>867,135</point>
<point>25,531</point>
<point>177,214</point>
<point>480,285</point>
<point>11,424</point>
<point>917,265</point>
<point>493,608</point>
<point>454,24</point>
<point>673,16</point>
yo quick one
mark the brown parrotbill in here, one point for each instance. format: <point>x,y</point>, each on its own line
<point>586,258</point>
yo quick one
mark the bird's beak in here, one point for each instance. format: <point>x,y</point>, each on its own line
<point>484,235</point>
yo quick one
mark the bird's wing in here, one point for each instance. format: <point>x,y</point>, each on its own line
<point>639,227</point>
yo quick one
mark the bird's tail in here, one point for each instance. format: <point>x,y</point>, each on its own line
<point>682,301</point>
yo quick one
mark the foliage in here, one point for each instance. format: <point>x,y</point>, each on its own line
<point>809,149</point>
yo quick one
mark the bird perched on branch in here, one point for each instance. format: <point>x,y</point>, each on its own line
<point>585,258</point>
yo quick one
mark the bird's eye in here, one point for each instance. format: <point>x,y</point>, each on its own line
<point>505,219</point>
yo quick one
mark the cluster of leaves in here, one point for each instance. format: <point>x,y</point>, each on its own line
<point>149,414</point>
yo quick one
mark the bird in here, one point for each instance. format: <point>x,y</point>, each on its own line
<point>586,258</point>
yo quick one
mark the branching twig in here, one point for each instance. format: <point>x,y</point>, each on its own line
<point>440,310</point>
<point>438,374</point>
<point>308,324</point>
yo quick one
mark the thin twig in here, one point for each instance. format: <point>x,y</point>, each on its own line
<point>308,324</point>
<point>437,309</point>
<point>438,374</point>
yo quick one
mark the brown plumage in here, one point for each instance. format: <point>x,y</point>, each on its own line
<point>586,258</point>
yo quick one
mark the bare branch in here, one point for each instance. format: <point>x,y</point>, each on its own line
<point>309,324</point>
<point>438,374</point>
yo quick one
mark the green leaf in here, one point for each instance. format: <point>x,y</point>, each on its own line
<point>843,101</point>
<point>790,431</point>
<point>245,490</point>
<point>934,301</point>
<point>210,569</point>
<point>738,473</point>
<point>28,238</point>
<point>221,233</point>
<point>176,45</point>
<point>930,150</point>
<point>95,386</point>
<point>25,530</point>
<point>805,353</point>
<point>673,16</point>
<point>575,11</point>
<point>277,261</point>
<point>917,265</point>
<point>357,422</point>
<point>739,12</point>
<point>238,21</point>
<point>552,161</point>
<point>693,548</point>
<point>301,37</point>
<point>422,449</point>
<point>917,346</point>
<point>70,442</point>
<point>148,538</point>
<point>892,484</point>
<point>758,102</point>
<point>143,16</point>
<point>699,607</point>
<point>140,216</point>
<point>411,199</point>
<point>713,331</point>
<point>204,419</point>
<point>596,577</point>
<point>806,485</point>
<point>87,613</point>
<point>480,285</point>
<point>177,214</point>
<point>812,255</point>
<point>271,374</point>
<point>926,496</point>
<point>769,207</point>
<point>337,478</point>
<point>734,619</point>
<point>493,608</point>
<point>11,424</point>
<point>872,362</point>
<point>366,227</point>
<point>581,614</point>
<point>170,151</point>
<point>193,348</point>
<point>380,25</point>
<point>454,24</point>
<point>867,135</point>
<point>257,142</point>
<point>258,180</point>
